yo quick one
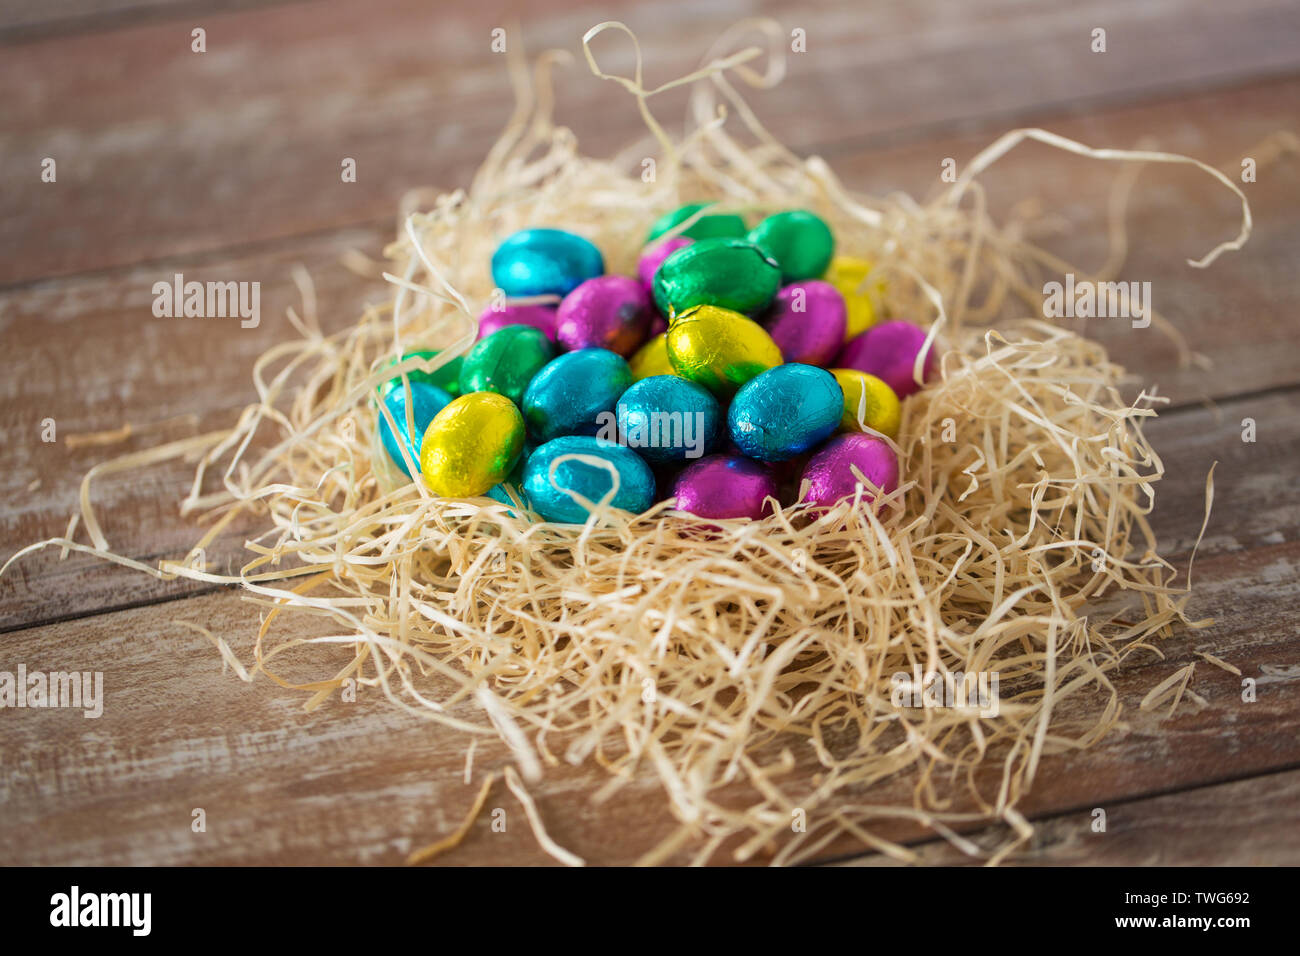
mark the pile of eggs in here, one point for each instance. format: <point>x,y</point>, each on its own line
<point>737,362</point>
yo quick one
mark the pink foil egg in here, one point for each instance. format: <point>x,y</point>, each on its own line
<point>724,486</point>
<point>830,470</point>
<point>541,317</point>
<point>653,256</point>
<point>888,351</point>
<point>607,312</point>
<point>807,321</point>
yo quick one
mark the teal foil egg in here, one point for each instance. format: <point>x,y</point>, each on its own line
<point>732,274</point>
<point>426,402</point>
<point>506,361</point>
<point>785,411</point>
<point>667,420</point>
<point>546,494</point>
<point>544,262</point>
<point>570,393</point>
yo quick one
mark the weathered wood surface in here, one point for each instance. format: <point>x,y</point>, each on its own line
<point>226,164</point>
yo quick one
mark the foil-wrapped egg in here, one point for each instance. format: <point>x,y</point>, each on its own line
<point>888,351</point>
<point>445,377</point>
<point>471,445</point>
<point>728,273</point>
<point>800,241</point>
<point>426,401</point>
<point>868,403</point>
<point>785,411</point>
<point>830,474</point>
<point>552,472</point>
<point>719,348</point>
<point>573,393</point>
<point>651,359</point>
<point>807,322</point>
<point>544,262</point>
<point>849,275</point>
<point>608,312</point>
<point>506,361</point>
<point>668,420</point>
<point>653,256</point>
<point>717,225</point>
<point>541,317</point>
<point>725,486</point>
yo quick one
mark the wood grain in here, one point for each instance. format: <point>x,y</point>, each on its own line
<point>162,151</point>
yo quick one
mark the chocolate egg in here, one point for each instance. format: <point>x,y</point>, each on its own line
<point>544,262</point>
<point>807,322</point>
<point>849,275</point>
<point>709,226</point>
<point>798,240</point>
<point>785,411</point>
<point>426,402</point>
<point>653,256</point>
<point>888,351</point>
<point>445,377</point>
<point>868,403</point>
<point>725,486</point>
<point>668,420</point>
<point>471,445</point>
<point>719,349</point>
<point>541,317</point>
<point>728,273</point>
<point>569,394</point>
<point>608,312</point>
<point>651,359</point>
<point>830,471</point>
<point>506,361</point>
<point>546,491</point>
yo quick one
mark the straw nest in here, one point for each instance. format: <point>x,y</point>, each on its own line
<point>750,666</point>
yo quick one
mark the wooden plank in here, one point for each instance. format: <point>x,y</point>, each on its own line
<point>1251,822</point>
<point>365,782</point>
<point>163,151</point>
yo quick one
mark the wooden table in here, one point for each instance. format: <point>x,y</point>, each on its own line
<point>226,164</point>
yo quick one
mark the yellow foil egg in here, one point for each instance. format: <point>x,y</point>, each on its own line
<point>651,359</point>
<point>471,445</point>
<point>847,273</point>
<point>719,349</point>
<point>868,403</point>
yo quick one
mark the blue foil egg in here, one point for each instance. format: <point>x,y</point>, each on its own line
<point>544,262</point>
<point>667,420</point>
<point>546,494</point>
<point>570,393</point>
<point>785,411</point>
<point>426,402</point>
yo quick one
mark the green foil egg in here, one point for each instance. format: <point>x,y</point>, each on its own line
<point>446,377</point>
<point>732,274</point>
<point>799,240</point>
<point>711,226</point>
<point>471,445</point>
<point>506,361</point>
<point>719,349</point>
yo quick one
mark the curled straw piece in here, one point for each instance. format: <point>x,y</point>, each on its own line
<point>750,666</point>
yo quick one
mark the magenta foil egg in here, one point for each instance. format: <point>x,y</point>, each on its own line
<point>653,256</point>
<point>888,351</point>
<point>541,317</point>
<point>724,486</point>
<point>830,471</point>
<point>807,321</point>
<point>607,312</point>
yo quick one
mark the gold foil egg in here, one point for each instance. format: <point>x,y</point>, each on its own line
<point>652,359</point>
<point>868,403</point>
<point>471,445</point>
<point>847,274</point>
<point>719,349</point>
